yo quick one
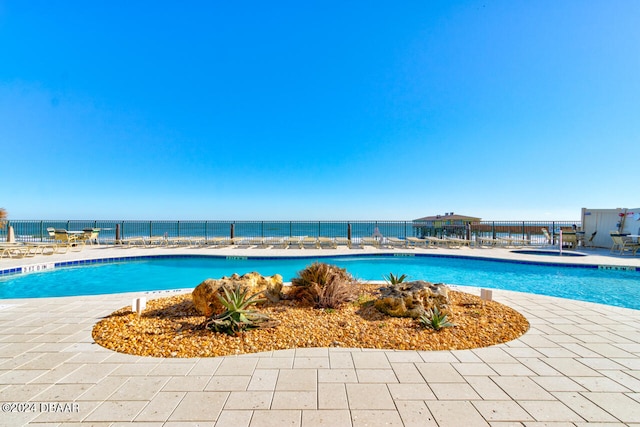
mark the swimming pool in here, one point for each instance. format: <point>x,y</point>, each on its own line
<point>619,288</point>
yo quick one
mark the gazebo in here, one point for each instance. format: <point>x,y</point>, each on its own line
<point>449,224</point>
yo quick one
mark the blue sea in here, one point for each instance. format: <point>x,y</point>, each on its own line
<point>37,230</point>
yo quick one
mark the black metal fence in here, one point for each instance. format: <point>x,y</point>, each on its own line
<point>527,230</point>
<point>111,231</point>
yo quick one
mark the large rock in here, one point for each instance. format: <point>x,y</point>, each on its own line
<point>205,295</point>
<point>412,299</point>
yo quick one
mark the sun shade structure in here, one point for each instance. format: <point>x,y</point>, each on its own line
<point>449,224</point>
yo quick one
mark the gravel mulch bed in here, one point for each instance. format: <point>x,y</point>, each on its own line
<point>172,327</point>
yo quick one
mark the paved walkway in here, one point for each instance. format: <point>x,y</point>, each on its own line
<point>578,365</point>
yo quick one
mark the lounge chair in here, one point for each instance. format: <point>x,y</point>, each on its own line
<point>383,242</point>
<point>13,250</point>
<point>434,242</point>
<point>26,249</point>
<point>310,243</point>
<point>294,241</point>
<point>487,241</point>
<point>275,242</point>
<point>155,241</point>
<point>343,241</point>
<point>218,241</point>
<point>144,241</point>
<point>624,244</point>
<point>370,241</point>
<point>505,242</point>
<point>327,243</point>
<point>417,242</point>
<point>248,241</point>
<point>69,240</point>
<point>547,237</point>
<point>52,233</point>
<point>514,241</point>
<point>45,248</point>
<point>258,242</point>
<point>180,241</point>
<point>454,242</point>
<point>617,243</point>
<point>356,243</point>
<point>239,241</point>
<point>396,242</point>
<point>91,235</point>
<point>196,241</point>
<point>131,242</point>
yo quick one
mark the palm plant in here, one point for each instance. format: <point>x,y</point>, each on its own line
<point>237,317</point>
<point>435,319</point>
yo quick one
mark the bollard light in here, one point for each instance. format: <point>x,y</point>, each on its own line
<point>486,294</point>
<point>138,305</point>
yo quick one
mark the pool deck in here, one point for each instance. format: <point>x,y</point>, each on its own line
<point>578,365</point>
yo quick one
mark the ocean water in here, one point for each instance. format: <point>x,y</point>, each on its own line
<point>29,230</point>
<point>37,230</point>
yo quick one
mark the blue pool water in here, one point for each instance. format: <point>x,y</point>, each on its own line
<point>619,288</point>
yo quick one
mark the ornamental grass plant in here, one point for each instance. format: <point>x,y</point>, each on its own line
<point>323,285</point>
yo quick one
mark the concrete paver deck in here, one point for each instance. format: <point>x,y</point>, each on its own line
<point>578,365</point>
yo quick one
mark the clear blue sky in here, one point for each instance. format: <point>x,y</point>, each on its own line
<point>318,110</point>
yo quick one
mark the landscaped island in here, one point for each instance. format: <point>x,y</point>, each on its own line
<point>324,307</point>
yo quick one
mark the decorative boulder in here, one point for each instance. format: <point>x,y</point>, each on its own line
<point>412,299</point>
<point>205,295</point>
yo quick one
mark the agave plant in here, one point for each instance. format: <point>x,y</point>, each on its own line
<point>237,317</point>
<point>435,319</point>
<point>393,279</point>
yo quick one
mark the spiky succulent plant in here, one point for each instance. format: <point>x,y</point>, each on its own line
<point>237,317</point>
<point>435,319</point>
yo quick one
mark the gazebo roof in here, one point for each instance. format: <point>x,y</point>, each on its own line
<point>448,217</point>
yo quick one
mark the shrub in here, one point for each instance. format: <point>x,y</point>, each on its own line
<point>323,285</point>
